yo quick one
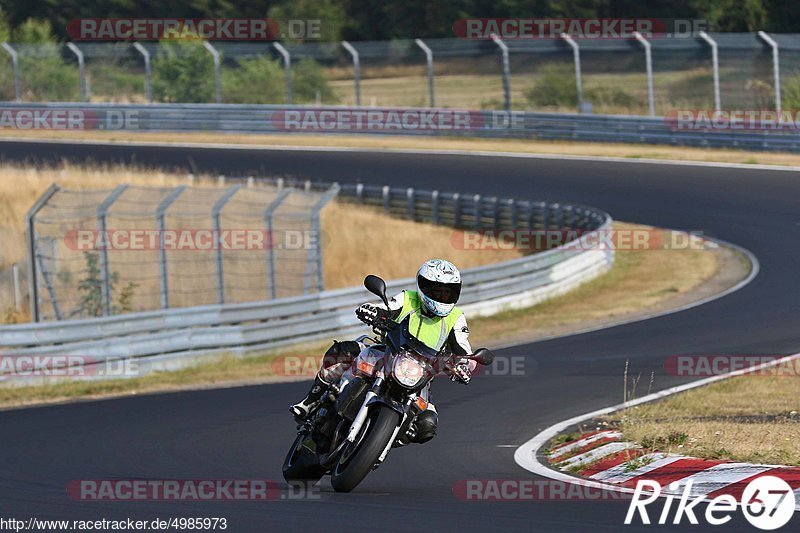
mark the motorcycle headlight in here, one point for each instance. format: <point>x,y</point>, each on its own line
<point>407,371</point>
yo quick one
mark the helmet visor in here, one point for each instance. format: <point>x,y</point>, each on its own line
<point>446,293</point>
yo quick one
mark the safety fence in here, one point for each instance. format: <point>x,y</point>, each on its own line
<point>133,248</point>
<point>170,338</point>
<point>624,75</point>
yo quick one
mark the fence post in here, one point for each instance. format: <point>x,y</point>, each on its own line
<point>15,67</point>
<point>715,65</point>
<point>429,59</point>
<point>648,58</point>
<point>148,72</point>
<point>356,69</point>
<point>215,215</point>
<point>81,72</point>
<point>101,223</point>
<point>217,83</point>
<point>268,212</point>
<point>162,252</point>
<point>776,69</point>
<point>15,281</point>
<point>476,202</point>
<point>30,238</point>
<point>576,55</point>
<point>506,70</point>
<point>435,207</point>
<point>456,210</point>
<point>316,257</point>
<point>287,68</point>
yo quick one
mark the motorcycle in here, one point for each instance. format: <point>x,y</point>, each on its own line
<point>372,408</point>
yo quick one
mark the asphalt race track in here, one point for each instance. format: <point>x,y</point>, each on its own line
<point>243,433</point>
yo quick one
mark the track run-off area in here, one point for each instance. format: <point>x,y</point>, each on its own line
<point>244,432</point>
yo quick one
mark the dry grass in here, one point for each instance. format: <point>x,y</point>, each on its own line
<point>362,238</point>
<point>355,236</point>
<point>750,418</point>
<point>640,280</point>
<point>630,151</point>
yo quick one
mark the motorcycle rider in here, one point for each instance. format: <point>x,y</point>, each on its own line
<point>433,318</point>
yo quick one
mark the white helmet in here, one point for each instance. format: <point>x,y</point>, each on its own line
<point>439,286</point>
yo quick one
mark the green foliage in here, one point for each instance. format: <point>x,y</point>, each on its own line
<point>183,71</point>
<point>308,77</point>
<point>255,81</point>
<point>329,13</point>
<point>47,78</point>
<point>34,31</point>
<point>790,94</point>
<point>91,289</point>
<point>555,86</point>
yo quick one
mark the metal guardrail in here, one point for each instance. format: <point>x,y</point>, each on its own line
<point>171,337</point>
<point>266,119</point>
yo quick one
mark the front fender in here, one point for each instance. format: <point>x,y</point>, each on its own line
<point>389,402</point>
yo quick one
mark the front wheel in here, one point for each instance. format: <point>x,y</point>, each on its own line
<point>301,464</point>
<point>359,458</point>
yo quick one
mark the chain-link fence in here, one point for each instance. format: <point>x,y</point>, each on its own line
<point>454,73</point>
<point>135,248</point>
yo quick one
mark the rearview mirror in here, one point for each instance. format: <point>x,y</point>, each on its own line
<point>483,356</point>
<point>376,286</point>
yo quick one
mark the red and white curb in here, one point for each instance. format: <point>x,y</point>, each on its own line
<point>616,465</point>
<point>610,460</point>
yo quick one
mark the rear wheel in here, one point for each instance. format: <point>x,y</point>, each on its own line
<point>301,465</point>
<point>359,458</point>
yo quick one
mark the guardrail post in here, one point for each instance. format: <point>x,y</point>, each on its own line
<point>512,207</point>
<point>215,215</point>
<point>356,69</point>
<point>648,58</point>
<point>506,71</point>
<point>81,73</point>
<point>316,257</point>
<point>429,59</point>
<point>496,211</point>
<point>30,238</point>
<point>476,202</point>
<point>102,211</point>
<point>217,83</point>
<point>576,55</point>
<point>386,199</point>
<point>15,68</point>
<point>456,210</point>
<point>360,192</point>
<point>162,252</point>
<point>435,207</point>
<point>287,68</point>
<point>148,72</point>
<point>410,199</point>
<point>268,213</point>
<point>776,69</point>
<point>715,65</point>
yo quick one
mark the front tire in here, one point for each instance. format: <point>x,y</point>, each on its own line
<point>354,465</point>
<point>301,465</point>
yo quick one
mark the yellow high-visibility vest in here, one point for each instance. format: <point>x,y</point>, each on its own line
<point>432,332</point>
